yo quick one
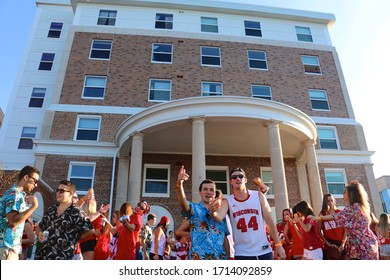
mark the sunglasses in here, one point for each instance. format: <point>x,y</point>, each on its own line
<point>140,206</point>
<point>35,180</point>
<point>235,176</point>
<point>61,191</point>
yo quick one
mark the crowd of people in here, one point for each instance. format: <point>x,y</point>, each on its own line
<point>239,227</point>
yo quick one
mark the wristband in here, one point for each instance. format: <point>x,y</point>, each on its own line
<point>278,245</point>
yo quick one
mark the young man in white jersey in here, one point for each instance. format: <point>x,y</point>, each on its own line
<point>248,210</point>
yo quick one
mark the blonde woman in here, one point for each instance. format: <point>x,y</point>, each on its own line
<point>383,229</point>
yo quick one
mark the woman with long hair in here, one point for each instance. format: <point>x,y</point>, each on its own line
<point>361,243</point>
<point>334,236</point>
<point>293,235</point>
<point>383,230</point>
<point>159,240</point>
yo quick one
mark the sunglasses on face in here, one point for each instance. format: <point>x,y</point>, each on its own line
<point>35,180</point>
<point>235,176</point>
<point>61,191</point>
<point>140,206</point>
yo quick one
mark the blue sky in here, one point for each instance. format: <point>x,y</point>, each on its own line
<point>361,36</point>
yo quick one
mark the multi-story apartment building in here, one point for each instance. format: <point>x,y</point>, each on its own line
<point>117,95</point>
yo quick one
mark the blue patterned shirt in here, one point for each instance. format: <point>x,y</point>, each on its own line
<point>207,235</point>
<point>12,200</point>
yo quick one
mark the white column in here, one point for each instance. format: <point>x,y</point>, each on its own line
<point>314,176</point>
<point>373,190</point>
<point>303,181</point>
<point>39,163</point>
<point>134,188</point>
<point>122,182</point>
<point>198,156</point>
<point>277,165</point>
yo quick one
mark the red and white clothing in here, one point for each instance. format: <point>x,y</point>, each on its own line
<point>311,239</point>
<point>331,230</point>
<point>246,218</point>
<point>182,250</point>
<point>127,240</point>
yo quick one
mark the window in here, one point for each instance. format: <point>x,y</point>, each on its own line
<point>303,34</point>
<point>385,198</point>
<point>208,24</point>
<point>101,49</point>
<point>107,17</point>
<point>156,180</point>
<point>164,21</point>
<point>160,90</point>
<point>266,177</point>
<point>335,181</point>
<point>162,53</point>
<point>260,91</point>
<point>328,138</point>
<point>37,97</point>
<point>210,56</point>
<point>257,60</point>
<point>26,139</point>
<point>94,87</point>
<point>311,64</point>
<point>55,30</point>
<point>88,128</point>
<point>220,175</point>
<point>211,88</point>
<point>252,28</point>
<point>82,175</point>
<point>318,99</point>
<point>46,61</point>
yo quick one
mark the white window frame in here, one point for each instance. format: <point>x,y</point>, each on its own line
<point>210,65</point>
<point>221,168</point>
<point>110,19</point>
<point>334,129</point>
<point>338,170</point>
<point>97,49</point>
<point>34,92</point>
<point>319,99</point>
<point>253,28</point>
<point>303,34</point>
<point>82,163</point>
<point>85,86</point>
<point>46,62</point>
<point>99,118</point>
<point>209,27</point>
<point>168,180</point>
<point>54,30</point>
<point>311,64</point>
<point>166,22</point>
<point>267,169</point>
<point>154,52</point>
<point>210,93</point>
<point>150,88</point>
<point>256,59</point>
<point>262,96</point>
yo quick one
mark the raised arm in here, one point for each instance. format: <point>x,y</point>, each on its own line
<point>181,197</point>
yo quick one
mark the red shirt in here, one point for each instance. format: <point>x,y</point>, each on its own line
<point>311,239</point>
<point>127,240</point>
<point>331,231</point>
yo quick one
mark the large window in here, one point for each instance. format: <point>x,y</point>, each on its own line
<point>107,17</point>
<point>335,181</point>
<point>164,21</point>
<point>252,28</point>
<point>156,180</point>
<point>37,97</point>
<point>162,53</point>
<point>209,24</point>
<point>328,138</point>
<point>211,88</point>
<point>311,64</point>
<point>88,128</point>
<point>26,138</point>
<point>47,60</point>
<point>160,90</point>
<point>266,177</point>
<point>82,175</point>
<point>385,198</point>
<point>94,87</point>
<point>220,175</point>
<point>210,56</point>
<point>100,49</point>
<point>303,34</point>
<point>55,30</point>
<point>319,99</point>
<point>260,91</point>
<point>257,60</point>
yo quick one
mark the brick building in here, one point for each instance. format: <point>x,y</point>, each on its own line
<point>116,95</point>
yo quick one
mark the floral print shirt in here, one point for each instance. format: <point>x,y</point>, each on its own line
<point>207,235</point>
<point>64,233</point>
<point>361,242</point>
<point>12,200</point>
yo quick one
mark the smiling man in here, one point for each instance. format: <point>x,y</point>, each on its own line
<point>14,210</point>
<point>64,224</point>
<point>208,237</point>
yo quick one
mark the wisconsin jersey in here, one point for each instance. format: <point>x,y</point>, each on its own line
<point>248,226</point>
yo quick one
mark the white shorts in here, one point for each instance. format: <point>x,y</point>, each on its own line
<point>315,254</point>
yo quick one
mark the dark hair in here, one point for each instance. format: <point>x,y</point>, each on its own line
<point>304,208</point>
<point>324,208</point>
<point>28,170</point>
<point>151,216</point>
<point>235,169</point>
<point>207,181</point>
<point>69,184</point>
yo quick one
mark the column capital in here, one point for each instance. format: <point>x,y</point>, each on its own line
<point>195,119</point>
<point>309,142</point>
<point>271,123</point>
<point>137,134</point>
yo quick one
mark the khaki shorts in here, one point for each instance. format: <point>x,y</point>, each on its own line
<point>8,254</point>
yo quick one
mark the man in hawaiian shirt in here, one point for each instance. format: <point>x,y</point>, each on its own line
<point>64,224</point>
<point>208,237</point>
<point>16,205</point>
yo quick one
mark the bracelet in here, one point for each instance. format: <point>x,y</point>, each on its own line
<point>179,185</point>
<point>278,245</point>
